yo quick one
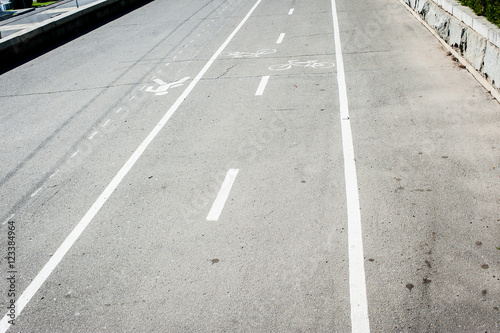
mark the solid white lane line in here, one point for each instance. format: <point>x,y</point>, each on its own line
<point>262,85</point>
<point>357,283</point>
<point>58,255</point>
<point>280,38</point>
<point>221,198</point>
<point>290,12</point>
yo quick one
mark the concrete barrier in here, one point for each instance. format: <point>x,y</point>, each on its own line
<point>473,38</point>
<point>26,41</point>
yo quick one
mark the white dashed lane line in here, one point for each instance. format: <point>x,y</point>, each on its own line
<point>280,38</point>
<point>36,192</point>
<point>262,85</point>
<point>222,196</point>
<point>92,135</point>
<point>290,12</point>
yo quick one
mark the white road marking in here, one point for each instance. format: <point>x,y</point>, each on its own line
<point>75,153</point>
<point>92,135</point>
<point>360,322</point>
<point>280,38</point>
<point>290,12</point>
<point>131,98</point>
<point>262,85</point>
<point>164,86</point>
<point>142,88</point>
<point>221,198</point>
<point>35,193</point>
<point>59,254</point>
<point>107,121</point>
<point>10,217</point>
<point>52,175</point>
<point>167,64</point>
<point>118,111</point>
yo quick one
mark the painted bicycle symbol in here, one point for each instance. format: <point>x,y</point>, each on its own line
<point>237,54</point>
<point>298,63</point>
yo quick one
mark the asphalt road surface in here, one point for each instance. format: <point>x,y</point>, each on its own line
<point>253,166</point>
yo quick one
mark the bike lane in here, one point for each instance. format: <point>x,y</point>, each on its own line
<point>276,257</point>
<point>150,260</point>
<point>53,209</point>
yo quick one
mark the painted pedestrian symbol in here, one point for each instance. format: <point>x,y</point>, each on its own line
<point>163,86</point>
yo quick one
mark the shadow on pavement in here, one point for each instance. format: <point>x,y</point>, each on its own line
<point>55,38</point>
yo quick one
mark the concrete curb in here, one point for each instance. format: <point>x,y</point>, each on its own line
<point>29,40</point>
<point>472,40</point>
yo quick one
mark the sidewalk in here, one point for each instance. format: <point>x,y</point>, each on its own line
<point>13,21</point>
<point>26,34</point>
<point>5,15</point>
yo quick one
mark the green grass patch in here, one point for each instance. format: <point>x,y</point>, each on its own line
<point>42,4</point>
